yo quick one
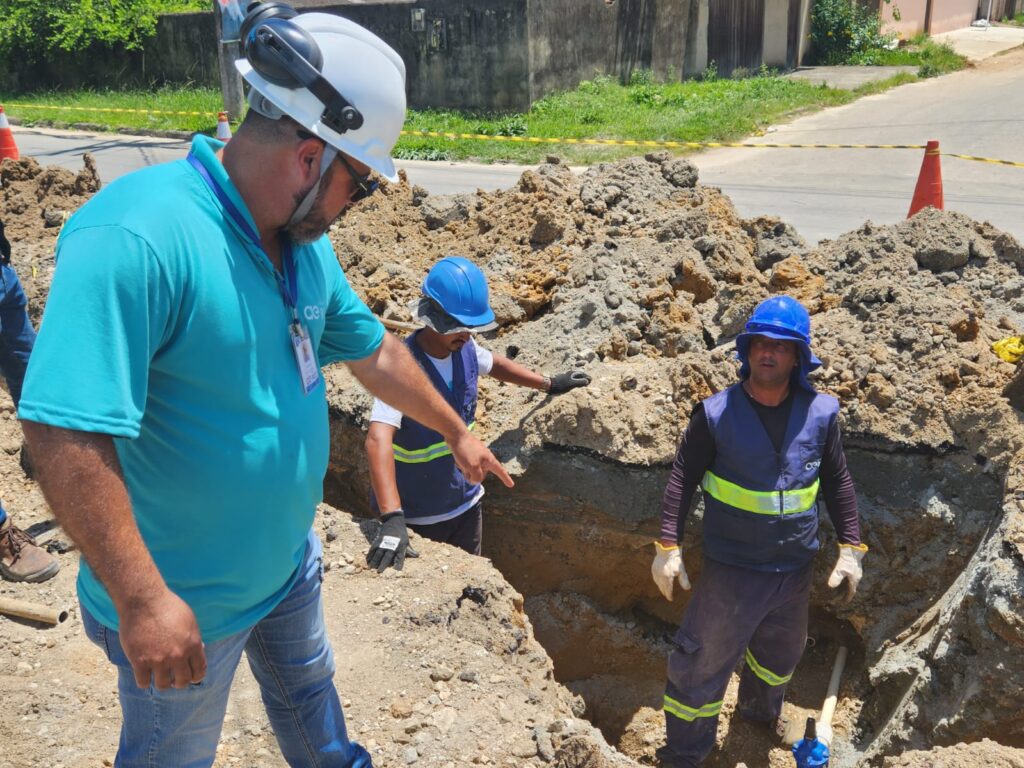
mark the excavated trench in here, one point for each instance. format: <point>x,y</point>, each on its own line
<point>574,538</point>
<point>641,275</point>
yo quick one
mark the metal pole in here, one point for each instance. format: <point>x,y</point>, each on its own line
<point>230,80</point>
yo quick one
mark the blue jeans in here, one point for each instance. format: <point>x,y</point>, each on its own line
<point>291,659</point>
<point>17,337</point>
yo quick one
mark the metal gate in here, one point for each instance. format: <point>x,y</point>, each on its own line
<point>735,34</point>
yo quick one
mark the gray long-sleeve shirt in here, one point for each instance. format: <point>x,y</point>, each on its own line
<point>697,453</point>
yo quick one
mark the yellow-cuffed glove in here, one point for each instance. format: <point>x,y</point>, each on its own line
<point>848,567</point>
<point>667,567</point>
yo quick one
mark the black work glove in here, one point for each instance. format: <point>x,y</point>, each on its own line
<point>563,382</point>
<point>391,546</point>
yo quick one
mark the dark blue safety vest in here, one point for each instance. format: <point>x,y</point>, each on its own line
<point>429,483</point>
<point>760,506</point>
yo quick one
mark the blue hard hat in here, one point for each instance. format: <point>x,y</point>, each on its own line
<point>460,289</point>
<point>785,318</point>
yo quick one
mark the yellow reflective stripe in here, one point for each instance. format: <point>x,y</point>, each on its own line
<point>760,502</point>
<point>766,674</point>
<point>422,455</point>
<point>689,714</point>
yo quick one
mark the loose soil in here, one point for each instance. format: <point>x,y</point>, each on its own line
<point>641,276</point>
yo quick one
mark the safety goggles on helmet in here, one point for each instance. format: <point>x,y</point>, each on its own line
<point>429,313</point>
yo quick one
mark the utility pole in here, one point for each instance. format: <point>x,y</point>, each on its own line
<point>227,52</point>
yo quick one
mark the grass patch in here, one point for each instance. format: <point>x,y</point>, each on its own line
<point>931,58</point>
<point>698,111</point>
<point>707,110</point>
<point>67,108</point>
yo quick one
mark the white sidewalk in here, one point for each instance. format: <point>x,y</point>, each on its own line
<point>977,43</point>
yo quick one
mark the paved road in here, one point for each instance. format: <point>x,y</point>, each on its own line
<point>823,193</point>
<point>116,154</point>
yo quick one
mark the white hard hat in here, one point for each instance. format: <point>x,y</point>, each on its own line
<point>365,71</point>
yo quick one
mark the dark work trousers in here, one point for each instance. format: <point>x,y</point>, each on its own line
<point>465,531</point>
<point>17,336</point>
<point>735,614</point>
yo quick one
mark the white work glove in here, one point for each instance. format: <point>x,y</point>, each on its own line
<point>668,566</point>
<point>848,567</point>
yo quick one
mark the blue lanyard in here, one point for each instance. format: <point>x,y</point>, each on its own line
<point>288,285</point>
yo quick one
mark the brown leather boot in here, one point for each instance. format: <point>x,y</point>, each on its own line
<point>21,559</point>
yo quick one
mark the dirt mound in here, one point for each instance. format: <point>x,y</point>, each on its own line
<point>642,276</point>
<point>34,204</point>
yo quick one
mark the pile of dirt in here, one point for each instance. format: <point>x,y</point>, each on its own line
<point>643,277</point>
<point>34,204</point>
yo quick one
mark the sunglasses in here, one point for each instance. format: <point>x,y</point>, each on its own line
<point>365,186</point>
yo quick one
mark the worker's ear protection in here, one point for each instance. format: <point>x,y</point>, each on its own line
<point>285,54</point>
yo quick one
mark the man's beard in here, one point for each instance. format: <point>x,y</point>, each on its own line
<point>314,224</point>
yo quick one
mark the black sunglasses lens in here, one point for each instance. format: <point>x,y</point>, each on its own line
<point>366,189</point>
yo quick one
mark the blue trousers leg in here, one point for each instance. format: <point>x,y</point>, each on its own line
<point>17,337</point>
<point>290,657</point>
<point>728,607</point>
<point>774,650</point>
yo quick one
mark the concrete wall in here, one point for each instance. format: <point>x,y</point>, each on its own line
<point>459,54</point>
<point>573,40</point>
<point>912,17</point>
<point>775,45</point>
<point>184,50</point>
<point>952,14</point>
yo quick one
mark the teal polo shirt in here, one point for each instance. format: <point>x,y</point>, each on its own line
<point>166,328</point>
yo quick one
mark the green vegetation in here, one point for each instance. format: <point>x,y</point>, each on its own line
<point>851,33</point>
<point>31,28</point>
<point>930,57</point>
<point>93,108</point>
<point>707,110</point>
<point>841,30</point>
<point>711,109</point>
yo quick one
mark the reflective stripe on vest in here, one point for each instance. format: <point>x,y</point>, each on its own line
<point>760,502</point>
<point>764,673</point>
<point>689,714</point>
<point>431,452</point>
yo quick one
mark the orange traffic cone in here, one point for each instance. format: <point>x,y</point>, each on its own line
<point>223,129</point>
<point>8,149</point>
<point>928,191</point>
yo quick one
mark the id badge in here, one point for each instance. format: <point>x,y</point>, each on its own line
<point>309,371</point>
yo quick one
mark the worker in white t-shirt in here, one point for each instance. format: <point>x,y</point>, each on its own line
<point>413,476</point>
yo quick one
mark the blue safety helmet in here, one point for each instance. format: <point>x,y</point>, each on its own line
<point>780,317</point>
<point>459,288</point>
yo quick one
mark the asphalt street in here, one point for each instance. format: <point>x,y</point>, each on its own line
<point>823,193</point>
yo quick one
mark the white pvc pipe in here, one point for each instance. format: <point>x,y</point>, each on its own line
<point>828,709</point>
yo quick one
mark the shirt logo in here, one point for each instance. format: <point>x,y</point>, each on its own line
<point>810,466</point>
<point>311,312</point>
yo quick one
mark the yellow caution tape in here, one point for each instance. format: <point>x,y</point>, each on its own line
<point>109,109</point>
<point>646,142</point>
<point>1011,163</point>
<point>1011,350</point>
<point>654,143</point>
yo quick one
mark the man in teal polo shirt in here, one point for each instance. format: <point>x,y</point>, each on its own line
<point>174,404</point>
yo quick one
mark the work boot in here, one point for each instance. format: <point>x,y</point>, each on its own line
<point>21,559</point>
